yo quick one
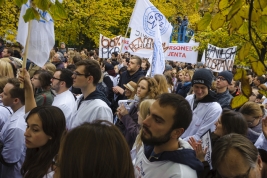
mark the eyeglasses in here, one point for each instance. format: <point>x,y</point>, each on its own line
<point>221,78</point>
<point>250,123</point>
<point>240,176</point>
<point>54,78</point>
<point>75,74</point>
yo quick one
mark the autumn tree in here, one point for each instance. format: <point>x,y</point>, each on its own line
<point>246,19</point>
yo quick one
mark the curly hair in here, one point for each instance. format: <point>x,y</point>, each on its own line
<point>153,91</point>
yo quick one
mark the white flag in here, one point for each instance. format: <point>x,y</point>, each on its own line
<point>42,37</point>
<point>158,60</point>
<point>203,59</point>
<point>144,20</point>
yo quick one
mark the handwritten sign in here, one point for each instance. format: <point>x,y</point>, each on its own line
<point>182,52</point>
<point>109,45</point>
<point>220,59</point>
<point>206,143</point>
<point>125,47</point>
<point>142,44</point>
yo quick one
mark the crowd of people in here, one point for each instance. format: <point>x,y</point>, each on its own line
<point>82,116</point>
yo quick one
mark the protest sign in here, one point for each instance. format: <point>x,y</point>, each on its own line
<point>182,52</point>
<point>125,47</point>
<point>206,143</point>
<point>220,59</point>
<point>40,35</point>
<point>109,45</point>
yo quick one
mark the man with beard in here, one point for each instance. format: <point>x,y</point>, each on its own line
<point>163,153</point>
<point>64,99</point>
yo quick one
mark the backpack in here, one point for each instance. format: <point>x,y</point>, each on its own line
<point>103,88</point>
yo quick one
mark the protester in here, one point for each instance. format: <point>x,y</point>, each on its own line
<point>169,82</point>
<point>4,110</point>
<point>142,114</point>
<point>235,156</point>
<point>64,99</point>
<point>145,66</point>
<point>234,88</point>
<point>93,159</point>
<point>206,110</point>
<point>41,82</point>
<point>186,85</point>
<point>224,98</point>
<point>130,90</point>
<point>253,113</point>
<point>127,123</point>
<point>163,153</point>
<point>229,122</point>
<point>50,67</point>
<point>45,126</point>
<point>6,69</point>
<point>12,134</point>
<point>86,76</point>
<point>58,60</point>
<point>162,83</point>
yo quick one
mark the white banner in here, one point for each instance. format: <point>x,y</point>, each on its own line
<point>125,45</point>
<point>182,52</point>
<point>109,45</point>
<point>42,37</point>
<point>206,143</point>
<point>220,59</point>
<point>144,20</point>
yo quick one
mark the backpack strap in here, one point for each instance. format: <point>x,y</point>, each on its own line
<point>44,99</point>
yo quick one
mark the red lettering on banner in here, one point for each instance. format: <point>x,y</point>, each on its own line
<point>181,48</point>
<point>177,54</point>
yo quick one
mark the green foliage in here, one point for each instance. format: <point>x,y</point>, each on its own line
<point>247,22</point>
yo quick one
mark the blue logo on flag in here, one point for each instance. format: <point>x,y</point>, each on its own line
<point>152,14</point>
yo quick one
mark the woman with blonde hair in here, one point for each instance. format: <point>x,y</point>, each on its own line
<point>253,113</point>
<point>162,83</point>
<point>147,88</point>
<point>142,113</point>
<point>6,69</point>
<point>186,86</point>
<point>70,56</point>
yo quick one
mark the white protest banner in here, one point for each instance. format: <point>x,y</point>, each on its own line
<point>182,52</point>
<point>206,143</point>
<point>158,59</point>
<point>220,59</point>
<point>125,42</point>
<point>41,39</point>
<point>109,45</point>
<point>144,19</point>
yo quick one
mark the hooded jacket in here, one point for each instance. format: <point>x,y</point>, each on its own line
<point>181,163</point>
<point>205,113</point>
<point>91,108</point>
<point>224,99</point>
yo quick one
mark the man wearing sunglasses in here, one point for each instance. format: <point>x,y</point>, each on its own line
<point>92,104</point>
<point>223,80</point>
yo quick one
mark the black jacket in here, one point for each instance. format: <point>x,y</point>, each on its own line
<point>126,77</point>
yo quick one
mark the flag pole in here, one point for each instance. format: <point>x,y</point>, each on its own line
<point>122,44</point>
<point>26,50</point>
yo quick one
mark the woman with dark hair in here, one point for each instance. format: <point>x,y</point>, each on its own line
<point>41,82</point>
<point>229,122</point>
<point>147,88</point>
<point>45,126</point>
<point>96,150</point>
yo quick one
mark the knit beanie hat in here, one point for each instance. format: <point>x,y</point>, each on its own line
<point>227,75</point>
<point>202,76</point>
